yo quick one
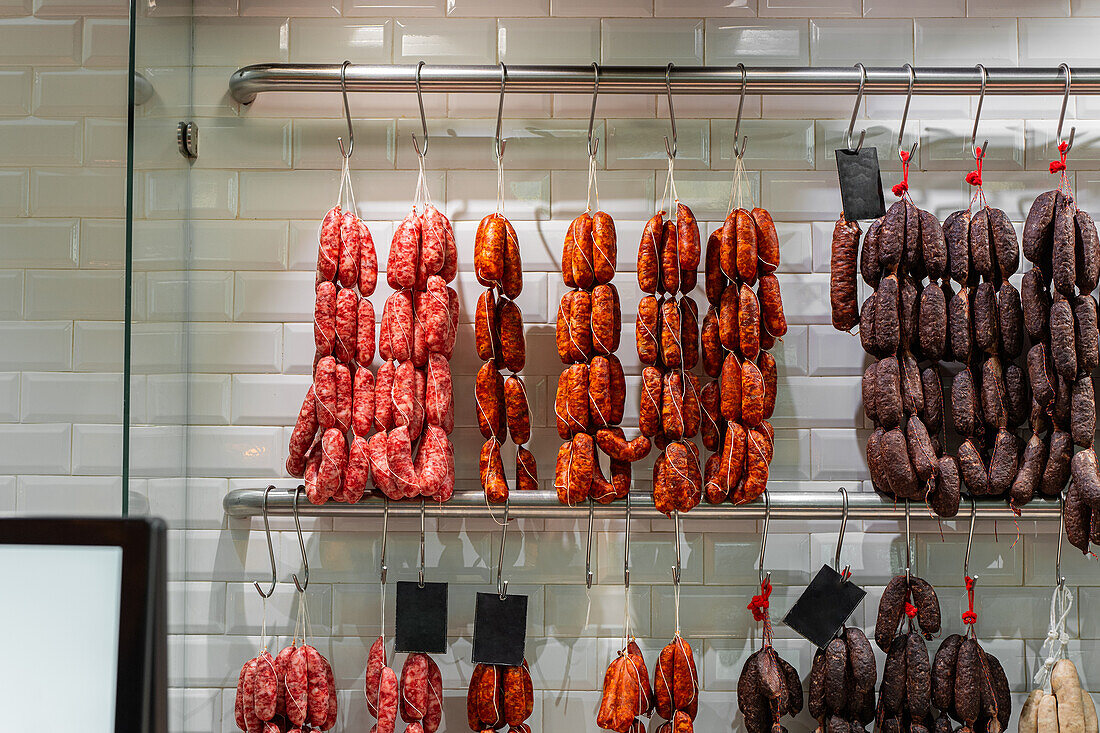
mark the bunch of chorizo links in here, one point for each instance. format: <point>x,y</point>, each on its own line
<point>500,697</point>
<point>502,407</point>
<point>667,335</point>
<point>768,689</point>
<point>842,683</point>
<point>905,703</point>
<point>1060,241</point>
<point>330,419</point>
<point>902,323</point>
<point>970,686</point>
<point>410,454</point>
<point>1067,707</point>
<point>989,396</point>
<point>591,391</point>
<point>627,695</point>
<point>676,687</point>
<point>739,329</point>
<point>282,694</point>
<point>417,697</point>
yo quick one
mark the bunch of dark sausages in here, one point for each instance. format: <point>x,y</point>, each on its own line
<point>768,689</point>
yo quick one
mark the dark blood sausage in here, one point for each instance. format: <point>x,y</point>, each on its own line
<point>932,318</point>
<point>868,256</point>
<point>1010,317</point>
<point>972,468</point>
<point>932,415</point>
<point>908,316</point>
<point>869,388</point>
<point>1063,256</point>
<point>944,498</point>
<point>1085,332</point>
<point>1017,395</point>
<point>981,257</point>
<point>888,397</point>
<point>1063,347</point>
<point>887,329</point>
<point>1002,462</point>
<point>959,325</point>
<point>994,411</point>
<point>891,241</point>
<point>898,469</point>
<point>985,317</point>
<point>1006,248</point>
<point>933,245</point>
<point>1040,373</point>
<point>911,255</point>
<point>956,229</point>
<point>964,403</point>
<point>1056,471</point>
<point>1027,478</point>
<point>921,454</point>
<point>1035,299</point>
<point>912,393</point>
<point>1039,227</point>
<point>842,280</point>
<point>1082,421</point>
<point>1087,252</point>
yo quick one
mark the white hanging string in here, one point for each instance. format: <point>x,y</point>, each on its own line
<point>738,186</point>
<point>500,184</point>
<point>670,197</point>
<point>1054,648</point>
<point>592,186</point>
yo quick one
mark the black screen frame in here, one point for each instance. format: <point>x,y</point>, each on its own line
<point>141,688</point>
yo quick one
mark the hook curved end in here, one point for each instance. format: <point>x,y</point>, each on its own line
<point>670,150</point>
<point>588,579</point>
<point>301,588</point>
<point>859,145</point>
<point>739,154</point>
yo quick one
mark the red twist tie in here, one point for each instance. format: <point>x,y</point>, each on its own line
<point>910,610</point>
<point>899,189</point>
<point>759,603</point>
<point>969,617</point>
<point>974,177</point>
<point>1059,165</point>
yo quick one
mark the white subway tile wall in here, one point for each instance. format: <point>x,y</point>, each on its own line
<point>222,343</point>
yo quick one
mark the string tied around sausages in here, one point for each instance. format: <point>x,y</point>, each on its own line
<point>1054,647</point>
<point>759,606</point>
<point>969,617</point>
<point>974,178</point>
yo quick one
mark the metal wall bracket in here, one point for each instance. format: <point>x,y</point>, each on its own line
<point>187,138</point>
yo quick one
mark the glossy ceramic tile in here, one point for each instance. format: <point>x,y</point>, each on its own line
<point>453,41</point>
<point>545,41</point>
<point>758,42</point>
<point>870,42</point>
<point>652,41</point>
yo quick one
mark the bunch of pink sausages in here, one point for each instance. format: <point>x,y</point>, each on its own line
<point>285,692</point>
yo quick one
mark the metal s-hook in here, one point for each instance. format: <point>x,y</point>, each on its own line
<point>1062,113</point>
<point>847,572</point>
<point>740,109</point>
<point>626,545</point>
<point>855,112</point>
<point>383,571</point>
<point>970,539</point>
<point>347,113</point>
<point>764,537</point>
<point>588,552</point>
<point>502,584</point>
<point>676,526</point>
<point>420,581</point>
<point>421,150</point>
<point>593,145</point>
<point>270,550</point>
<point>671,151</point>
<point>498,143</point>
<point>301,544</point>
<point>904,118</point>
<point>977,116</point>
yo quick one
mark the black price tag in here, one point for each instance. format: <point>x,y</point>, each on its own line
<point>860,184</point>
<point>500,629</point>
<point>421,617</point>
<point>824,606</point>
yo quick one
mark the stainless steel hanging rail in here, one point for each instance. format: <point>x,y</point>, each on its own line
<point>544,504</point>
<point>247,82</point>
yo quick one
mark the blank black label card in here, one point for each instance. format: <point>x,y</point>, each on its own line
<point>421,617</point>
<point>860,184</point>
<point>500,629</point>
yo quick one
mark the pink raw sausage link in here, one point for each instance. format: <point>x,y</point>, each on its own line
<point>238,704</point>
<point>401,325</point>
<point>313,467</point>
<point>334,460</point>
<point>317,697</point>
<point>265,686</point>
<point>416,425</point>
<point>344,397</point>
<point>362,404</point>
<point>252,723</point>
<point>401,269</point>
<point>385,345</point>
<point>404,386</point>
<point>297,687</point>
<point>347,307</point>
<point>399,455</point>
<point>434,713</point>
<point>436,229</point>
<point>324,386</point>
<point>420,344</point>
<point>387,701</point>
<point>414,687</point>
<point>329,251</point>
<point>324,319</point>
<point>348,270</point>
<point>436,318</point>
<point>376,660</point>
<point>364,333</point>
<point>383,397</point>
<point>282,663</point>
<point>330,682</point>
<point>433,462</point>
<point>439,397</point>
<point>305,428</point>
<point>358,471</point>
<point>368,261</point>
<point>449,270</point>
<point>381,477</point>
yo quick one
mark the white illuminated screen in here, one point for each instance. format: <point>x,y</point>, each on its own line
<point>60,618</point>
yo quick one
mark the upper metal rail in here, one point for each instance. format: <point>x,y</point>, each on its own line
<point>247,82</point>
<point>544,504</point>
